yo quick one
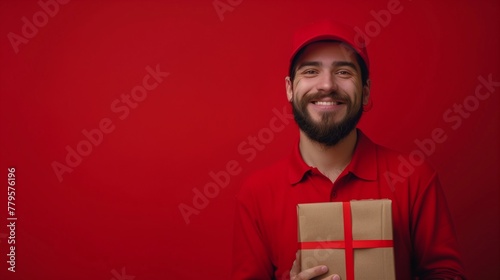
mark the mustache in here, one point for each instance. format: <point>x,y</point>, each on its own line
<point>339,96</point>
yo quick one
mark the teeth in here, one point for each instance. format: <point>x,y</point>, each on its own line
<point>326,103</point>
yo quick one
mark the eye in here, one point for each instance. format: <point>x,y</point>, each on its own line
<point>344,73</point>
<point>309,72</point>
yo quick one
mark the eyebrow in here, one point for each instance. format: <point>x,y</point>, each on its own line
<point>335,64</point>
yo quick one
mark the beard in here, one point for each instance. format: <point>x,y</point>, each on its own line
<point>326,131</point>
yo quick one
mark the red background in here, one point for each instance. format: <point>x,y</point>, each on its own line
<point>119,207</point>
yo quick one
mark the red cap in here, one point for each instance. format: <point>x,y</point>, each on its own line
<point>329,30</point>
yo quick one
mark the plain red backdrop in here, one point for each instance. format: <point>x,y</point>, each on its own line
<point>116,215</point>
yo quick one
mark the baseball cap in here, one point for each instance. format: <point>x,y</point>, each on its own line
<point>328,30</point>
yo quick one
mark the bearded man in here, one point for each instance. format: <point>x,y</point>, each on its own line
<point>328,87</point>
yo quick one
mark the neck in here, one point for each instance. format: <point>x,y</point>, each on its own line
<point>329,160</point>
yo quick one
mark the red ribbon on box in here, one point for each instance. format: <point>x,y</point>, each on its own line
<point>348,244</point>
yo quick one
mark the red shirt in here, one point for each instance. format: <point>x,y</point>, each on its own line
<point>265,237</point>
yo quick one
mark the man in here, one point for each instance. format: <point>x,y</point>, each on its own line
<point>328,86</point>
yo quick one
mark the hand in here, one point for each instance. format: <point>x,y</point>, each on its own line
<point>297,274</point>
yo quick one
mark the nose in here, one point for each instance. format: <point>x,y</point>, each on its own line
<point>326,82</point>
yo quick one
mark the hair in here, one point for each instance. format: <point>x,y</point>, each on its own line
<point>365,73</point>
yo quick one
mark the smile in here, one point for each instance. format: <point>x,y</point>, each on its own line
<point>327,103</point>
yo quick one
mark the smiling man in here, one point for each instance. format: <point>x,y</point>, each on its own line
<point>328,87</point>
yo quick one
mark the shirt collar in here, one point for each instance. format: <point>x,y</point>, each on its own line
<point>363,163</point>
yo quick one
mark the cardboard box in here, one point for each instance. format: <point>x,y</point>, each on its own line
<point>354,239</point>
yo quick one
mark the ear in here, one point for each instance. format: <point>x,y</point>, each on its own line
<point>366,92</point>
<point>289,89</point>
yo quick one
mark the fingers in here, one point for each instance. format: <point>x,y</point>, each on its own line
<point>295,267</point>
<point>312,272</point>
<point>297,274</point>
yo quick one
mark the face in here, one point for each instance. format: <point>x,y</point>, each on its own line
<point>327,94</point>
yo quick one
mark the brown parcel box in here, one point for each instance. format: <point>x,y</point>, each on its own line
<point>367,254</point>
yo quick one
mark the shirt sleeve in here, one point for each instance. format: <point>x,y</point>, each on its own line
<point>435,245</point>
<point>250,257</point>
